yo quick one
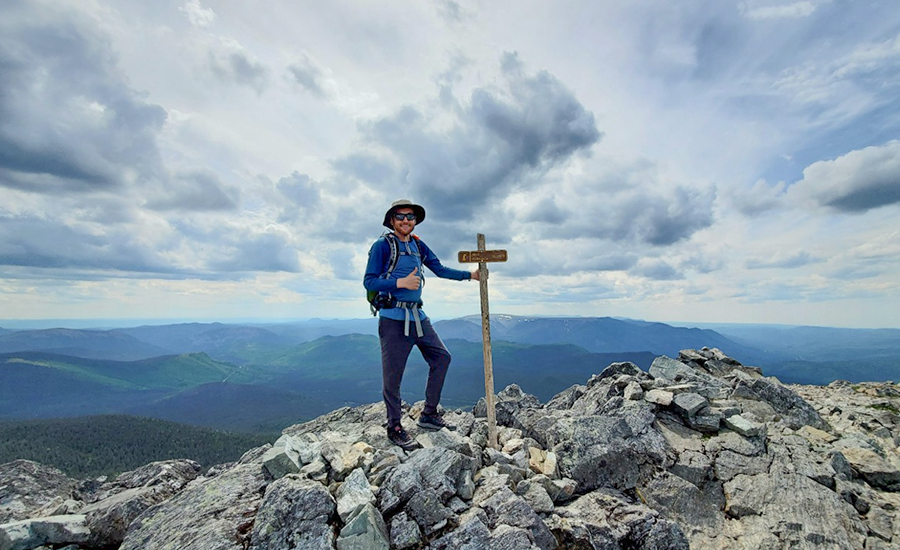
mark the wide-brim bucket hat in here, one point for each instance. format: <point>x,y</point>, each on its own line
<point>403,203</point>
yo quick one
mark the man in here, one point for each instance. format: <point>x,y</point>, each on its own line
<point>400,300</point>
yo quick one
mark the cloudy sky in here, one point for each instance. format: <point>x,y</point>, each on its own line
<point>701,160</point>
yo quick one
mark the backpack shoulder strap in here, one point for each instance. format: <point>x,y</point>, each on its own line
<point>395,252</point>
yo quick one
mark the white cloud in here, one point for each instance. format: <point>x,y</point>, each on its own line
<point>197,15</point>
<point>856,182</point>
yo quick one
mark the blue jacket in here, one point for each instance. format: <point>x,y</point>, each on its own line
<point>417,255</point>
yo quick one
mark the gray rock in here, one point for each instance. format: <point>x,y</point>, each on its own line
<point>437,468</point>
<point>366,531</point>
<point>506,537</point>
<point>659,397</point>
<point>123,500</point>
<point>405,532</point>
<point>471,535</point>
<point>730,464</point>
<point>429,513</point>
<point>445,438</point>
<point>795,411</point>
<point>605,519</point>
<point>633,392</point>
<point>707,421</point>
<point>210,513</point>
<point>54,530</point>
<point>611,451</point>
<point>694,467</point>
<point>27,489</point>
<point>536,496</point>
<point>282,458</point>
<point>615,370</point>
<point>685,503</point>
<point>295,513</point>
<point>873,468</point>
<point>744,426</point>
<point>689,404</point>
<point>505,508</point>
<point>564,400</point>
<point>881,524</point>
<point>812,512</point>
<point>353,494</point>
<point>670,369</point>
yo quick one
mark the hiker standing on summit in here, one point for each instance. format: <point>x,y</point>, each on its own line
<point>395,273</point>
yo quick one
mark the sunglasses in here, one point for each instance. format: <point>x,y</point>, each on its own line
<point>400,217</point>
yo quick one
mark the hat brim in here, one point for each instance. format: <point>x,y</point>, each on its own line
<point>417,210</point>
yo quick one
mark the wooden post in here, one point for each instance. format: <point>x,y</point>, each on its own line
<point>482,256</point>
<point>488,358</point>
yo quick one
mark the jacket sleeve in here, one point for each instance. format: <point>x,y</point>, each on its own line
<point>376,268</point>
<point>431,261</point>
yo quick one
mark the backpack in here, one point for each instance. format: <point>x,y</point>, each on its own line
<point>379,300</point>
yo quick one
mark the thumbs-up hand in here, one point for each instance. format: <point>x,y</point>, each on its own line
<point>411,281</point>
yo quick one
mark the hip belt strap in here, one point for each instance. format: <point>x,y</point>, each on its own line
<point>414,307</point>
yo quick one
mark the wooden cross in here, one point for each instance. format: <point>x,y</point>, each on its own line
<point>482,256</point>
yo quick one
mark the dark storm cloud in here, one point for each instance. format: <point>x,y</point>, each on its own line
<point>195,191</point>
<point>500,139</point>
<point>29,241</point>
<point>67,121</point>
<point>308,75</point>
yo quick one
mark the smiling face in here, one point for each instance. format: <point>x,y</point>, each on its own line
<point>403,228</point>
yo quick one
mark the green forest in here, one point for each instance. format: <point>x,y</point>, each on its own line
<point>92,446</point>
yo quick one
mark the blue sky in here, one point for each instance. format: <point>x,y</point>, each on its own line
<point>706,161</point>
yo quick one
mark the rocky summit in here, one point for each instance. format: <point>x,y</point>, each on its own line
<point>699,452</point>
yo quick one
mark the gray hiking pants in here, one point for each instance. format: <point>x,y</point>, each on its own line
<point>395,349</point>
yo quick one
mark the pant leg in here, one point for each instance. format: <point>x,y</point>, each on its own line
<point>395,348</point>
<point>438,358</point>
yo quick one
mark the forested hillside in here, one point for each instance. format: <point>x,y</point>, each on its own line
<point>91,446</point>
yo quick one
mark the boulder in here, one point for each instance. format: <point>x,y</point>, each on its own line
<point>606,519</point>
<point>53,530</point>
<point>404,532</point>
<point>295,513</point>
<point>794,410</point>
<point>367,531</point>
<point>871,467</point>
<point>353,494</point>
<point>209,513</point>
<point>659,397</point>
<point>29,489</point>
<point>119,503</point>
<point>800,510</point>
<point>282,458</point>
<point>506,508</point>
<point>543,462</point>
<point>745,427</point>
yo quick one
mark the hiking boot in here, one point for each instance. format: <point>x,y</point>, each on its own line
<point>400,438</point>
<point>433,422</point>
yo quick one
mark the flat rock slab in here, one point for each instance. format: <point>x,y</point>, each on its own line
<point>873,468</point>
<point>209,514</point>
<point>53,530</point>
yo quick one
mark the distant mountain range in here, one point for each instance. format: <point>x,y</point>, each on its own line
<point>265,377</point>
